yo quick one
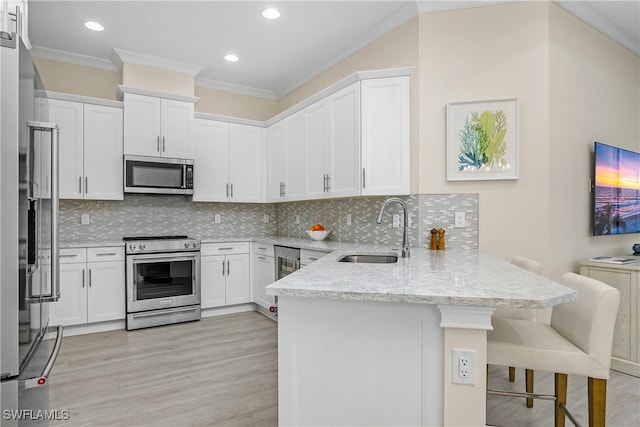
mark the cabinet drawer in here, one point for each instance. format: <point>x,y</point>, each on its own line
<point>224,248</point>
<point>308,256</point>
<point>265,249</point>
<point>105,254</point>
<point>73,255</point>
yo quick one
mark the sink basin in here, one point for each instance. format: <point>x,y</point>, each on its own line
<point>370,259</point>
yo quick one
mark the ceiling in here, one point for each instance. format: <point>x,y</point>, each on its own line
<point>276,56</point>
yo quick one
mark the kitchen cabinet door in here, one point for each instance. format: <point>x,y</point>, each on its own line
<point>343,143</point>
<point>317,150</point>
<point>276,161</point>
<point>212,281</point>
<point>238,279</point>
<point>176,129</point>
<point>106,291</point>
<point>385,136</point>
<point>103,153</point>
<point>296,131</point>
<point>142,125</point>
<point>71,309</point>
<point>245,163</point>
<point>263,275</point>
<point>211,169</point>
<point>70,117</point>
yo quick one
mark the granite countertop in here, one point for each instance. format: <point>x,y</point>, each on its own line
<point>455,277</point>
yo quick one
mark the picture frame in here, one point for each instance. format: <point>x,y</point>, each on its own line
<point>482,140</point>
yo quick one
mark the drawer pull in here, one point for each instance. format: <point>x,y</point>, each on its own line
<point>225,249</point>
<point>107,254</point>
<point>68,255</point>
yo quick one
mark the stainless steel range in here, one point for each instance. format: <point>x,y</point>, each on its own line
<point>163,280</point>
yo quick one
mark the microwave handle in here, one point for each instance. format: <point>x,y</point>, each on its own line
<point>54,131</point>
<point>184,176</point>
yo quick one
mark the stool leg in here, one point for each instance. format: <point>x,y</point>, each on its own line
<point>528,377</point>
<point>512,374</point>
<point>597,396</point>
<point>561,398</point>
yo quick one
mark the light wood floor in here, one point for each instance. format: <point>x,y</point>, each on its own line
<point>222,371</point>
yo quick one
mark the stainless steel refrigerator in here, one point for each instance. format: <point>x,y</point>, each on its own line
<point>29,254</point>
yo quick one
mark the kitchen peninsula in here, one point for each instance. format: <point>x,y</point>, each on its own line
<point>372,343</point>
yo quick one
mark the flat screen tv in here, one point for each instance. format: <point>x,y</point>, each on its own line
<point>616,191</point>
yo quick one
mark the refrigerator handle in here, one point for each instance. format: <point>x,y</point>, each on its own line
<point>54,131</point>
<point>44,376</point>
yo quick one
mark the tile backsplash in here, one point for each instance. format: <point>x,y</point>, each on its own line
<point>148,215</point>
<point>155,215</point>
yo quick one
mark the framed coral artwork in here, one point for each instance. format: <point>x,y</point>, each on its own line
<point>482,140</point>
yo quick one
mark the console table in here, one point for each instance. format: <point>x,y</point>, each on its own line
<point>626,339</point>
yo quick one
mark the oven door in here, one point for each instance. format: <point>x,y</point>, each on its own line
<point>156,281</point>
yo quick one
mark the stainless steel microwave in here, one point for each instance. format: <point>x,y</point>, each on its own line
<point>157,175</point>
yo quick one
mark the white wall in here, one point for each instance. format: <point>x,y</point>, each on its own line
<point>594,96</point>
<point>491,53</point>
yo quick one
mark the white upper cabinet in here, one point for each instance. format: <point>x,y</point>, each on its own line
<point>276,161</point>
<point>296,129</point>
<point>158,127</point>
<point>385,147</point>
<point>90,149</point>
<point>14,14</point>
<point>333,145</point>
<point>229,162</point>
<point>245,163</point>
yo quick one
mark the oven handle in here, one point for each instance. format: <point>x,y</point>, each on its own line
<point>165,256</point>
<point>165,312</point>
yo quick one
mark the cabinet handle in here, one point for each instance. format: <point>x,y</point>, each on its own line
<point>364,181</point>
<point>68,255</point>
<point>223,267</point>
<point>324,183</point>
<point>232,190</point>
<point>163,144</point>
<point>227,189</point>
<point>225,249</point>
<point>89,277</point>
<point>80,184</point>
<point>228,272</point>
<point>86,184</point>
<point>106,254</point>
<point>158,145</point>
<point>83,277</point>
<point>262,249</point>
<point>313,258</point>
<point>262,258</point>
<point>328,183</point>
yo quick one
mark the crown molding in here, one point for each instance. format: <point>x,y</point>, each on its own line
<point>235,88</point>
<point>120,56</point>
<point>122,89</point>
<point>72,58</point>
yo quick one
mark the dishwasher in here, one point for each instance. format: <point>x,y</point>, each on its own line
<point>287,261</point>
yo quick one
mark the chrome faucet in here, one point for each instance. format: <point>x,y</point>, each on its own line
<point>405,236</point>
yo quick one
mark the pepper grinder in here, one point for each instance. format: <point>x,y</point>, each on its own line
<point>434,239</point>
<point>441,239</point>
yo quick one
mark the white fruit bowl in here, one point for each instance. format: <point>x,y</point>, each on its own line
<point>318,235</point>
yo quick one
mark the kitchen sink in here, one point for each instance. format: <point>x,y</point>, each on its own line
<point>369,259</point>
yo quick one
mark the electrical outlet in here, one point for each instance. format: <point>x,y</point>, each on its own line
<point>463,366</point>
<point>85,219</point>
<point>459,220</point>
<point>348,219</point>
<point>217,218</point>
<point>265,219</point>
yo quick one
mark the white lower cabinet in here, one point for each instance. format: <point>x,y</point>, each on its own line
<point>224,274</point>
<point>92,287</point>
<point>264,273</point>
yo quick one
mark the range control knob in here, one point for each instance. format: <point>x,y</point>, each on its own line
<point>187,245</point>
<point>142,246</point>
<point>132,246</point>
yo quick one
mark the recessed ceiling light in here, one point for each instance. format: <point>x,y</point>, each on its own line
<point>231,57</point>
<point>94,26</point>
<point>271,13</point>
